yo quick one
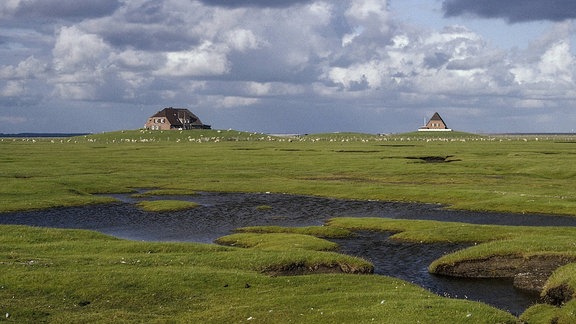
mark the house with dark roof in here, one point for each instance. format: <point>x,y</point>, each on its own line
<point>175,119</point>
<point>436,123</point>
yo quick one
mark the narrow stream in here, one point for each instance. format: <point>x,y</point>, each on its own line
<point>409,261</point>
<point>221,213</point>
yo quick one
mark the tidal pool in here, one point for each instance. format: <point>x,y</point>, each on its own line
<point>220,213</point>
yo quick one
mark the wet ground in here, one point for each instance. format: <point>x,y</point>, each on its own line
<point>221,213</point>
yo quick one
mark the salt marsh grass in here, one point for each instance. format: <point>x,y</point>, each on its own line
<point>480,173</point>
<point>72,276</point>
<point>166,205</point>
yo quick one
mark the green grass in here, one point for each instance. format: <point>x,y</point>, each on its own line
<point>485,173</point>
<point>543,313</point>
<point>487,240</point>
<point>563,276</point>
<point>166,205</point>
<point>454,135</point>
<point>165,192</point>
<point>277,242</point>
<point>317,231</point>
<point>71,276</point>
<point>50,275</point>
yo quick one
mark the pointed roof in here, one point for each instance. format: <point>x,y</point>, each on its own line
<point>436,116</point>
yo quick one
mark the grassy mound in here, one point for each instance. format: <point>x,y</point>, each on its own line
<point>437,135</point>
<point>150,136</point>
<point>317,231</point>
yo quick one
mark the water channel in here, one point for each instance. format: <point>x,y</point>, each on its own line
<point>221,213</point>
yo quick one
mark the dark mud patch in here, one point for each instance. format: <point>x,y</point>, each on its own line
<point>559,295</point>
<point>247,149</point>
<point>295,150</point>
<point>296,269</point>
<point>529,273</point>
<point>434,159</point>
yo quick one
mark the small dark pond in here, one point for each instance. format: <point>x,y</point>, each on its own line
<point>221,213</point>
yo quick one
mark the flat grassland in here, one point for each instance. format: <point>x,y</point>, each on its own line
<point>71,276</point>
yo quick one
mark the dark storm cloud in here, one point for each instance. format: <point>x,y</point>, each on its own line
<point>148,39</point>
<point>253,3</point>
<point>149,12</point>
<point>66,8</point>
<point>512,10</point>
<point>436,60</point>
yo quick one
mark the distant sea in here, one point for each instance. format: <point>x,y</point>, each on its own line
<point>21,135</point>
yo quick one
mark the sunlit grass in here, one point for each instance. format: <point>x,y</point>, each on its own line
<point>487,240</point>
<point>544,313</point>
<point>277,242</point>
<point>482,173</point>
<point>165,192</point>
<point>166,205</point>
<point>318,231</point>
<point>70,276</point>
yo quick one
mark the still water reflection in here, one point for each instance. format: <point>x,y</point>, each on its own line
<point>221,213</point>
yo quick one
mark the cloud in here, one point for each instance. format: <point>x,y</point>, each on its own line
<point>12,89</point>
<point>59,8</point>
<point>241,39</point>
<point>76,50</point>
<point>257,65</point>
<point>30,68</point>
<point>205,60</point>
<point>254,3</point>
<point>546,68</point>
<point>513,11</point>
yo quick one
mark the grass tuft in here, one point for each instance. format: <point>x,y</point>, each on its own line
<point>166,205</point>
<point>318,231</point>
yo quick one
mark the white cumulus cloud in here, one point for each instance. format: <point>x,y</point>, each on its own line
<point>205,60</point>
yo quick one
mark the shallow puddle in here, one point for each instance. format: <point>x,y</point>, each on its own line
<point>221,213</point>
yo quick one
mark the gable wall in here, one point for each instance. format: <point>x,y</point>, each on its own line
<point>157,123</point>
<point>436,124</point>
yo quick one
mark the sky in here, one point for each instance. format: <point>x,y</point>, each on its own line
<point>289,66</point>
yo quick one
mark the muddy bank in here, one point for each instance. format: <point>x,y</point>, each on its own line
<point>303,269</point>
<point>559,295</point>
<point>529,273</point>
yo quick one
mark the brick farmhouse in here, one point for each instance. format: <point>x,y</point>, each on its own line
<point>174,119</point>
